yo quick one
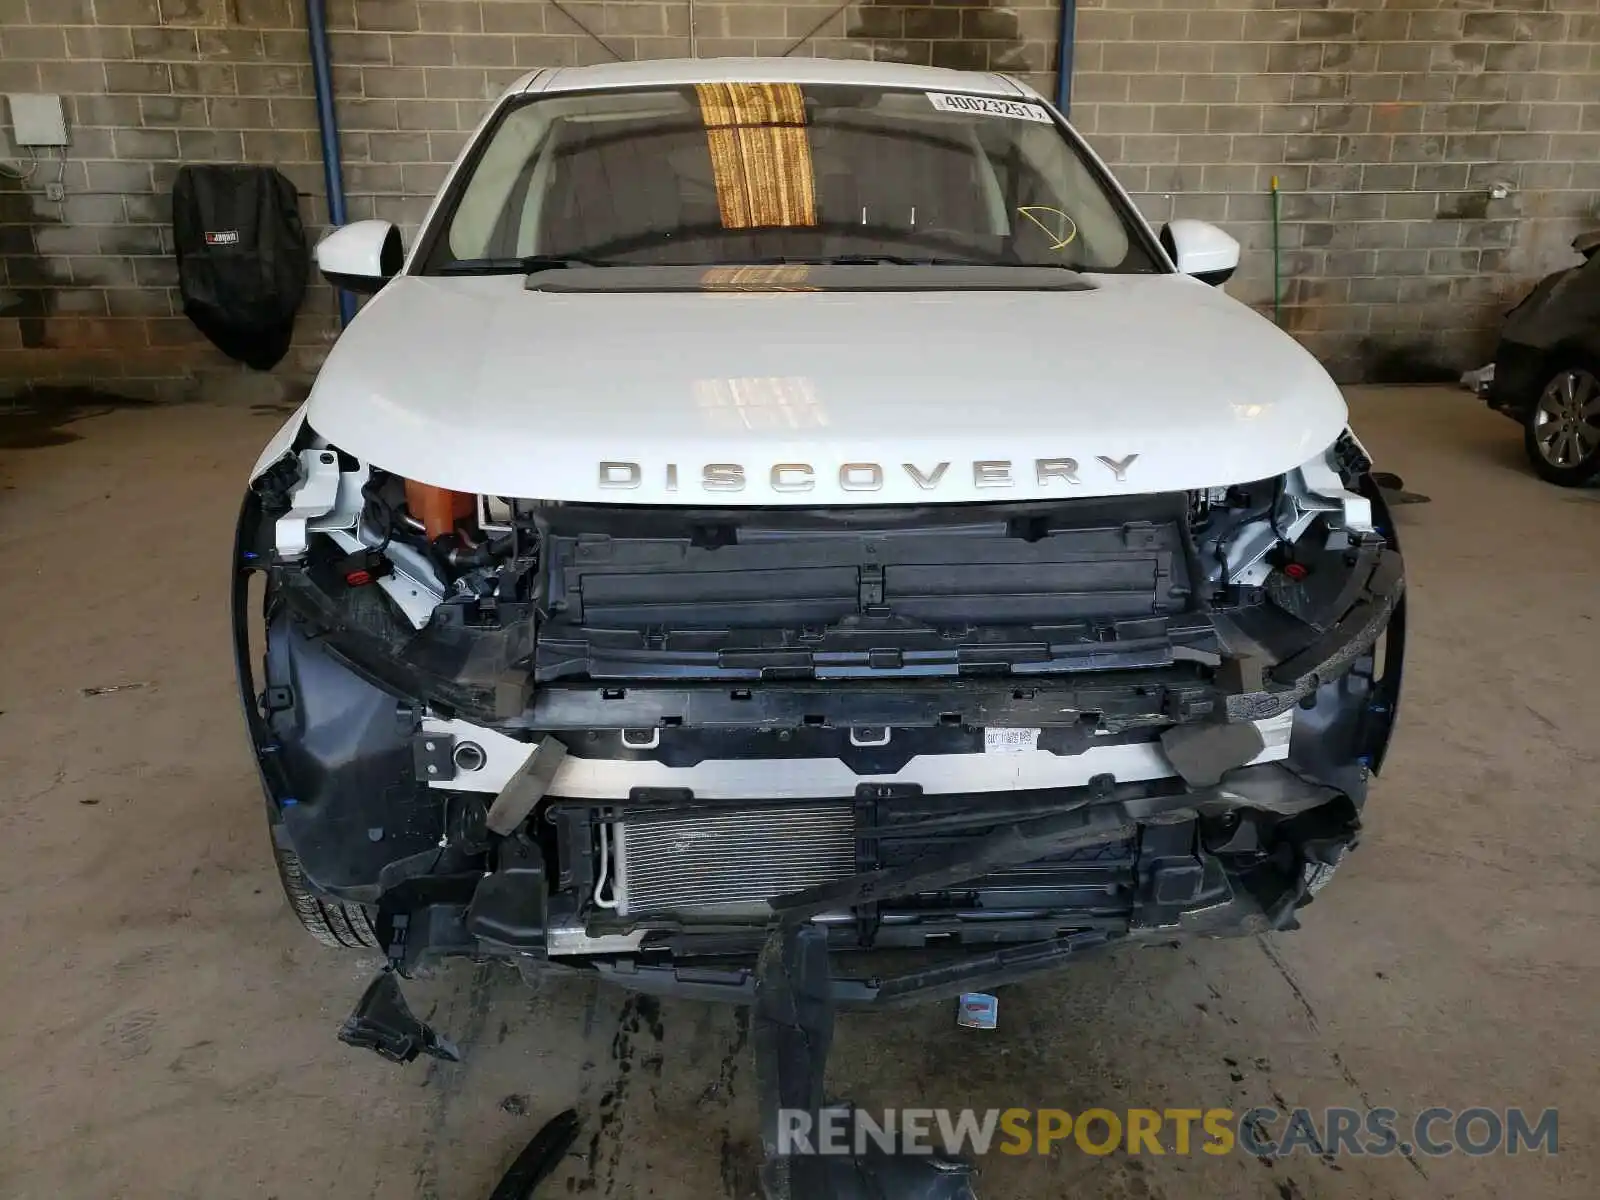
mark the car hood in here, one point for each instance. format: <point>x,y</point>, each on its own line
<point>1135,384</point>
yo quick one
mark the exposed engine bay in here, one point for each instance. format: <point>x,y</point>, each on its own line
<point>628,738</point>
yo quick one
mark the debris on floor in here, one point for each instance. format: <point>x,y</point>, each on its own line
<point>109,689</point>
<point>540,1157</point>
<point>975,1010</point>
<point>1480,381</point>
<point>1394,490</point>
<point>382,1022</point>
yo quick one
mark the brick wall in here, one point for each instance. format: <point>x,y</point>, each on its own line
<point>1386,122</point>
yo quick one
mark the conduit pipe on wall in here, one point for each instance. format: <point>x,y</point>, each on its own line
<point>328,124</point>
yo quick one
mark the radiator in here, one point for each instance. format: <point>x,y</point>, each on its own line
<point>729,862</point>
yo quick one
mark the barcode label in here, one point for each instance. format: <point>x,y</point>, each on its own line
<point>1009,741</point>
<point>988,106</point>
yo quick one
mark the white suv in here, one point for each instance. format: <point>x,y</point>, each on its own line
<point>806,493</point>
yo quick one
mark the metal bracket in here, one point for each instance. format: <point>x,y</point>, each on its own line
<point>314,495</point>
<point>871,587</point>
<point>276,699</point>
<point>502,756</point>
<point>434,754</point>
<point>412,584</point>
<point>1320,480</point>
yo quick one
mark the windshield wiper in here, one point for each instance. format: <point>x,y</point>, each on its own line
<point>527,265</point>
<point>902,260</point>
<point>864,260</point>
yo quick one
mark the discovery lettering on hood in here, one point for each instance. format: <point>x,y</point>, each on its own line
<point>858,476</point>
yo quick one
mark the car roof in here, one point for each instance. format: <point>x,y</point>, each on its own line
<point>673,72</point>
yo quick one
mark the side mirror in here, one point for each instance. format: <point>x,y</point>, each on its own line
<point>362,256</point>
<point>1200,249</point>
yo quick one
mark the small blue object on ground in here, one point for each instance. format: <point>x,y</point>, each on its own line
<point>978,1011</point>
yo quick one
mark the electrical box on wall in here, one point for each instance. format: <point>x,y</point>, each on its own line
<point>37,120</point>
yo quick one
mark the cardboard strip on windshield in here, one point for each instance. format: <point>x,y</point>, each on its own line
<point>760,154</point>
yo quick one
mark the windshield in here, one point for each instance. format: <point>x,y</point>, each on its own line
<point>769,173</point>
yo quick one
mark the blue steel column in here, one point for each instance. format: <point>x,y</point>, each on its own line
<point>1064,46</point>
<point>327,122</point>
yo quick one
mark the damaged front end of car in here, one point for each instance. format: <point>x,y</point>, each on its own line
<point>638,740</point>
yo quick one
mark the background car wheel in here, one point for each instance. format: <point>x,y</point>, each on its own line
<point>331,922</point>
<point>1562,428</point>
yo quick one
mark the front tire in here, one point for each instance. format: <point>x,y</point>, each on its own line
<point>1562,429</point>
<point>332,922</point>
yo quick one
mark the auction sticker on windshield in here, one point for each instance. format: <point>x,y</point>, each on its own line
<point>988,106</point>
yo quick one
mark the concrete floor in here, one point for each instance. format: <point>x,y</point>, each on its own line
<point>169,1031</point>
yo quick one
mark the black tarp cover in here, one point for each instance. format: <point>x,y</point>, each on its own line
<point>243,258</point>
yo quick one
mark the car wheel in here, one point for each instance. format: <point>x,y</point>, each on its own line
<point>1562,428</point>
<point>331,922</point>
